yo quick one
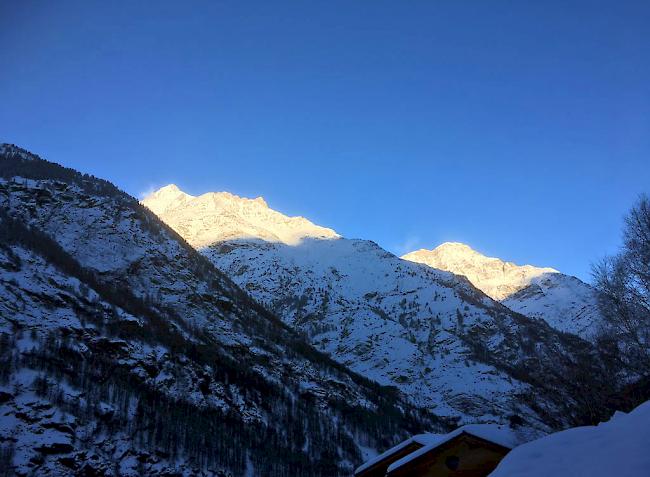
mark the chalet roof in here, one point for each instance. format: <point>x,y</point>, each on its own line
<point>422,439</point>
<point>498,434</point>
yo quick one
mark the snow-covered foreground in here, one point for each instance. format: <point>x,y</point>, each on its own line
<point>619,447</point>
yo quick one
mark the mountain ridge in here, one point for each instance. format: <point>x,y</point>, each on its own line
<point>428,332</point>
<point>226,216</point>
<point>564,301</point>
<point>495,277</point>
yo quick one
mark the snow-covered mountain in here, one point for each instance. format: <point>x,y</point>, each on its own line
<point>125,352</point>
<point>565,302</point>
<point>427,332</point>
<point>219,216</point>
<point>494,277</point>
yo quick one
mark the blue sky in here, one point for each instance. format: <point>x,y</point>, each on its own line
<point>520,128</point>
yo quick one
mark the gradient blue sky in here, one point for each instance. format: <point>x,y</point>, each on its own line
<point>520,128</point>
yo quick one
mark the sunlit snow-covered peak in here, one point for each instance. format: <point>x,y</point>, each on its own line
<point>495,277</point>
<point>166,198</point>
<point>221,216</point>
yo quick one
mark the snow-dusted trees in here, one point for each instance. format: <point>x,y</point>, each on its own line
<point>623,283</point>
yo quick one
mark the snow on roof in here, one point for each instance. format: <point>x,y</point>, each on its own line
<point>616,447</point>
<point>499,434</point>
<point>422,439</point>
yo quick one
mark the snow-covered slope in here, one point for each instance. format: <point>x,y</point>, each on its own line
<point>494,277</point>
<point>563,301</point>
<point>617,447</point>
<point>125,352</point>
<point>427,332</point>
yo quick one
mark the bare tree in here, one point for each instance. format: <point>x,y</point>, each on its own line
<point>623,284</point>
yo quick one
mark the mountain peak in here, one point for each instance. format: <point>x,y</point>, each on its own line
<point>260,200</point>
<point>229,197</point>
<point>169,188</point>
<point>165,198</point>
<point>495,277</point>
<point>216,217</point>
<point>457,245</point>
<point>454,247</point>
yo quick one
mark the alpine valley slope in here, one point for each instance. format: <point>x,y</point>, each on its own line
<point>123,351</point>
<point>564,302</point>
<point>430,333</point>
